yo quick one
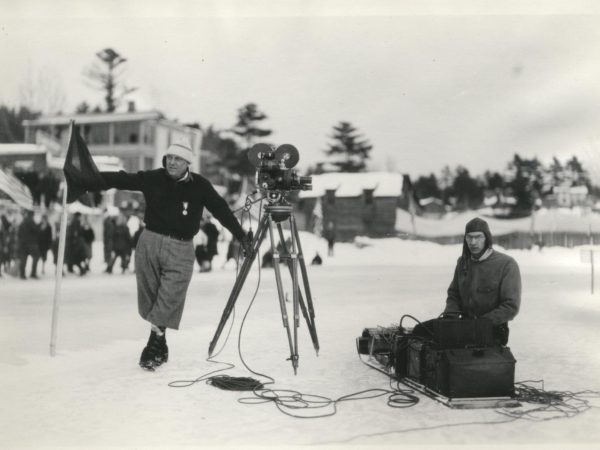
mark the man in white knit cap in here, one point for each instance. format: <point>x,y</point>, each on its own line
<point>164,257</point>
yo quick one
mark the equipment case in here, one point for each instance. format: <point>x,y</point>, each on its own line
<point>470,372</point>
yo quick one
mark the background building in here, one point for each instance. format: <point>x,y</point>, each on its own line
<point>138,139</point>
<point>358,204</point>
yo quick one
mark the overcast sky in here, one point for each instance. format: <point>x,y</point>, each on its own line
<point>428,83</point>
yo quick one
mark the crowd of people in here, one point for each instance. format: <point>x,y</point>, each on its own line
<point>23,238</point>
<point>28,241</point>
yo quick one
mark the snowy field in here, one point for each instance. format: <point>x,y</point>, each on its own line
<point>94,395</point>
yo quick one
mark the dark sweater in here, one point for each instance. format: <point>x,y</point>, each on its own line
<point>174,208</point>
<point>490,288</point>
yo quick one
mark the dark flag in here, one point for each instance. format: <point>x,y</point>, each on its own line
<point>81,172</point>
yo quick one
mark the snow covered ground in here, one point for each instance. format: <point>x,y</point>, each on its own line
<point>92,394</point>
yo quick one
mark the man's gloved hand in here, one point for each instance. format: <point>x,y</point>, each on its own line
<point>246,243</point>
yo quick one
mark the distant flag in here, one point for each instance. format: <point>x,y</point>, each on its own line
<point>80,171</point>
<point>15,190</point>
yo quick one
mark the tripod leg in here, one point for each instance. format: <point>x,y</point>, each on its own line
<point>239,282</point>
<point>296,291</point>
<point>284,315</point>
<point>311,324</point>
<point>309,319</point>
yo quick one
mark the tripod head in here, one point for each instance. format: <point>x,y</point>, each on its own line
<point>278,207</point>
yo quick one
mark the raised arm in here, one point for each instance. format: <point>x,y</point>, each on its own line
<point>124,180</point>
<point>219,208</point>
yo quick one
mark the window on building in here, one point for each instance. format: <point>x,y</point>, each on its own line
<point>96,133</point>
<point>330,197</point>
<point>127,132</point>
<point>149,131</point>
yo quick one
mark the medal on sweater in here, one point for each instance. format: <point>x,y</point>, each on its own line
<point>185,205</point>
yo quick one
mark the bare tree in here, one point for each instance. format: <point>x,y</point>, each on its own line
<point>42,91</point>
<point>108,78</point>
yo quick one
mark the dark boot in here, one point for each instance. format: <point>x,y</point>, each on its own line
<point>155,353</point>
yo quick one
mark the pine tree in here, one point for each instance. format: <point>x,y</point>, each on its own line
<point>351,150</point>
<point>247,127</point>
<point>108,78</point>
<point>11,123</point>
<point>468,190</point>
<point>527,182</point>
<point>427,187</point>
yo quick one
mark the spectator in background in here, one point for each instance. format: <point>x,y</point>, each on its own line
<point>108,232</point>
<point>330,236</point>
<point>28,245</point>
<point>317,260</point>
<point>75,246</point>
<point>48,187</point>
<point>44,240</point>
<point>138,233</point>
<point>87,233</point>
<point>122,244</point>
<point>6,244</point>
<point>212,236</point>
<point>55,240</point>
<point>200,250</point>
<point>233,250</point>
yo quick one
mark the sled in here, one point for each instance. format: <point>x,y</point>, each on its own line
<point>454,403</point>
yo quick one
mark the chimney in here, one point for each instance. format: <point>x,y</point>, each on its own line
<point>131,106</point>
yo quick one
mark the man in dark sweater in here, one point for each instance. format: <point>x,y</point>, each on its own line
<point>164,257</point>
<point>486,283</point>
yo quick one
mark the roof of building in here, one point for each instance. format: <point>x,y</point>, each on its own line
<point>94,118</point>
<point>22,149</point>
<point>383,184</point>
<point>572,190</point>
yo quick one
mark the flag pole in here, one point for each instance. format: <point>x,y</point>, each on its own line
<point>59,265</point>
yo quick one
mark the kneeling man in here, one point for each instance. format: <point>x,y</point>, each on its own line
<point>486,283</point>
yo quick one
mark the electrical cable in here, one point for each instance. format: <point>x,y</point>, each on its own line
<point>290,402</point>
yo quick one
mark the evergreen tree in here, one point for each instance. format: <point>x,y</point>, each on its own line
<point>11,123</point>
<point>107,78</point>
<point>527,182</point>
<point>556,172</point>
<point>427,187</point>
<point>248,128</point>
<point>82,108</point>
<point>575,172</point>
<point>468,190</point>
<point>494,181</point>
<point>349,147</point>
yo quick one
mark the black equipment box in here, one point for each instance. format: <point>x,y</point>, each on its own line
<point>456,333</point>
<point>469,372</point>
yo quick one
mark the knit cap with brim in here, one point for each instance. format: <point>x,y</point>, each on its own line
<point>181,150</point>
<point>473,225</point>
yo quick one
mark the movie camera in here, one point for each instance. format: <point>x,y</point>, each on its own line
<point>274,178</point>
<point>273,168</point>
